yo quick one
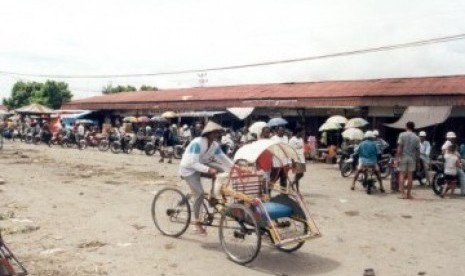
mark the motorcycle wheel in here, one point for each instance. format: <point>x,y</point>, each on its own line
<point>438,183</point>
<point>115,147</point>
<point>384,171</point>
<point>28,139</point>
<point>347,169</point>
<point>149,149</point>
<point>128,149</point>
<point>178,151</point>
<point>82,145</point>
<point>36,141</point>
<point>103,146</point>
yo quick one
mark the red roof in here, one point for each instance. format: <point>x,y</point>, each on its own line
<point>2,107</point>
<point>342,92</point>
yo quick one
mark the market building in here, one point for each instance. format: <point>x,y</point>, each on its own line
<point>441,102</point>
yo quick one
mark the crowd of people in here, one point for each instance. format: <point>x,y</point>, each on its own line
<point>412,153</point>
<point>412,150</point>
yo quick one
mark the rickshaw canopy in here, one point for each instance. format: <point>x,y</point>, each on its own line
<point>252,151</point>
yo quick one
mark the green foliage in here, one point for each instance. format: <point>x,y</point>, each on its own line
<point>109,89</point>
<point>50,93</point>
<point>148,88</point>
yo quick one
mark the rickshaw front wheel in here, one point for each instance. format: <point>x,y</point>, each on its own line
<point>171,212</point>
<point>239,233</point>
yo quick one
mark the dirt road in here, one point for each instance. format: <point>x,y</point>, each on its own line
<point>70,212</point>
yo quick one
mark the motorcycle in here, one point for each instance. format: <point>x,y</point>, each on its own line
<point>439,175</point>
<point>106,142</point>
<point>123,144</point>
<point>350,164</point>
<point>368,179</point>
<point>70,140</point>
<point>43,136</point>
<point>146,144</point>
<point>57,138</point>
<point>91,139</point>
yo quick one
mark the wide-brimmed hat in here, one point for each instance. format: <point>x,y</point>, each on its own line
<point>451,134</point>
<point>368,134</point>
<point>210,127</point>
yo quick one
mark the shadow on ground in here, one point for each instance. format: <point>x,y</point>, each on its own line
<point>274,262</point>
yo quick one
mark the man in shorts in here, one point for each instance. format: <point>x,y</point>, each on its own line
<point>408,152</point>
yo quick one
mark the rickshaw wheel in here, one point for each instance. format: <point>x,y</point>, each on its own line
<point>171,212</point>
<point>240,236</point>
<point>300,228</point>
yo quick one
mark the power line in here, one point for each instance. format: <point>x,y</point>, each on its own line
<point>391,47</point>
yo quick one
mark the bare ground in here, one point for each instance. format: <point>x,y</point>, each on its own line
<point>70,212</point>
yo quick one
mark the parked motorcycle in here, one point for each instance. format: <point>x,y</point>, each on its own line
<point>91,139</point>
<point>439,176</point>
<point>57,138</point>
<point>70,141</point>
<point>42,136</point>
<point>123,144</point>
<point>106,142</point>
<point>146,144</point>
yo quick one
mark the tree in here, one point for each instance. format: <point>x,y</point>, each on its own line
<point>109,89</point>
<point>148,88</point>
<point>50,93</point>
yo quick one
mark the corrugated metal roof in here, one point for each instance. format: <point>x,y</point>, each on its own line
<point>340,92</point>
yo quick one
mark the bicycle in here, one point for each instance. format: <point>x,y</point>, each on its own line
<point>175,206</point>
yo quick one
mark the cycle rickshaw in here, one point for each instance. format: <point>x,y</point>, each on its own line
<point>254,209</point>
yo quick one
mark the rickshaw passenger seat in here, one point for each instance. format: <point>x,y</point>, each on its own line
<point>278,210</point>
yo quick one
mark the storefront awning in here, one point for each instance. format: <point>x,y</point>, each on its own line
<point>423,116</point>
<point>241,112</point>
<point>199,114</point>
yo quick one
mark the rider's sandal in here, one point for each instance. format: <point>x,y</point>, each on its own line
<point>199,231</point>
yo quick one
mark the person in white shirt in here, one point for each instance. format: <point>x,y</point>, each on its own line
<point>451,167</point>
<point>186,133</point>
<point>279,169</point>
<point>452,140</point>
<point>203,156</point>
<point>297,142</point>
<point>425,147</point>
<point>425,151</point>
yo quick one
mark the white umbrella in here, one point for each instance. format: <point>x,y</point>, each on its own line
<point>329,126</point>
<point>257,127</point>
<point>169,114</point>
<point>251,152</point>
<point>353,134</point>
<point>356,122</point>
<point>338,119</point>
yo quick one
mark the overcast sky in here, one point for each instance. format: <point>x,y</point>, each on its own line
<point>150,36</point>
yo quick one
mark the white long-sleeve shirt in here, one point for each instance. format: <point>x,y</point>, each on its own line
<point>198,154</point>
<point>276,162</point>
<point>298,145</point>
<point>425,150</point>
